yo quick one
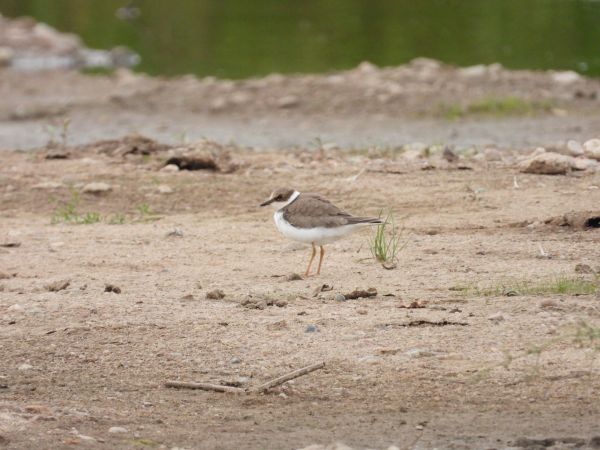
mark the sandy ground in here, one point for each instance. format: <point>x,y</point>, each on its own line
<point>479,365</point>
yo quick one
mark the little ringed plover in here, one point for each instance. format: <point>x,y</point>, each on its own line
<point>312,219</point>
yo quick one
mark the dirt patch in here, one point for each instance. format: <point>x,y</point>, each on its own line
<point>403,365</point>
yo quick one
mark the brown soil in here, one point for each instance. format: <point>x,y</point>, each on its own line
<point>100,359</point>
<point>422,364</point>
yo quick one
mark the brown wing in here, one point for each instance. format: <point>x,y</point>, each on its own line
<point>312,210</point>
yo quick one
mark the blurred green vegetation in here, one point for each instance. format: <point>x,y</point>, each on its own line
<point>241,38</point>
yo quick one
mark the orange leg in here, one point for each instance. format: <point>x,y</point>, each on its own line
<point>322,254</point>
<point>312,257</point>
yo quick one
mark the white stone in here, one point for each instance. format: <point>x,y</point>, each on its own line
<point>566,77</point>
<point>164,189</point>
<point>15,308</point>
<point>574,148</point>
<point>96,188</point>
<point>288,101</point>
<point>117,430</point>
<point>170,168</point>
<point>48,185</point>
<point>473,71</point>
<point>591,149</point>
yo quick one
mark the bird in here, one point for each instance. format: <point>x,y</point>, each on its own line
<point>312,219</point>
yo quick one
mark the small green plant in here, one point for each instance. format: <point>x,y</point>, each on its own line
<point>118,219</point>
<point>62,131</point>
<point>385,244</point>
<point>67,213</point>
<point>561,284</point>
<point>144,210</point>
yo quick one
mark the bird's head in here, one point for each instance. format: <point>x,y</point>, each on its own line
<point>280,198</point>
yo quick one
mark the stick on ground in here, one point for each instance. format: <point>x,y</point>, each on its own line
<point>204,387</point>
<point>290,376</point>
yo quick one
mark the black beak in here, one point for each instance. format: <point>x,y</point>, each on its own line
<point>268,202</point>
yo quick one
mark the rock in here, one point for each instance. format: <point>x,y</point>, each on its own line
<point>340,298</point>
<point>25,366</point>
<point>366,67</point>
<point>547,164</point>
<point>188,297</point>
<point>10,243</point>
<point>473,71</point>
<point>170,168</point>
<point>492,154</point>
<point>235,360</point>
<point>217,294</point>
<point>591,149</point>
<point>583,163</point>
<point>338,446</point>
<point>38,409</point>
<point>164,189</point>
<point>549,304</point>
<point>175,232</point>
<point>50,185</point>
<point>311,329</point>
<point>96,188</point>
<point>496,318</point>
<point>15,308</point>
<point>6,56</point>
<point>281,303</point>
<point>584,268</point>
<point>118,430</point>
<point>57,286</point>
<point>253,303</point>
<point>359,293</point>
<point>362,311</point>
<point>57,154</point>
<point>112,288</point>
<point>566,77</point>
<point>574,148</point>
<point>418,353</point>
<point>289,101</point>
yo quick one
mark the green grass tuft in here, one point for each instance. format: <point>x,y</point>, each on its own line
<point>385,244</point>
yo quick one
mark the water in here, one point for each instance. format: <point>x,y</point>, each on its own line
<point>242,38</point>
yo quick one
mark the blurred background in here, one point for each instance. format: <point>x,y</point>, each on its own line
<point>241,38</point>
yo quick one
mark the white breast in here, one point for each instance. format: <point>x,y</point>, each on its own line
<point>318,235</point>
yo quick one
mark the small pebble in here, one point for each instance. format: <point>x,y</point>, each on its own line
<point>217,294</point>
<point>235,360</point>
<point>117,430</point>
<point>311,329</point>
<point>170,168</point>
<point>340,297</point>
<point>498,317</point>
<point>25,366</point>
